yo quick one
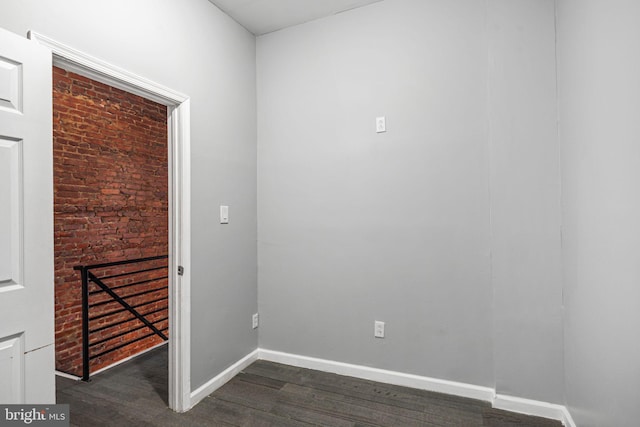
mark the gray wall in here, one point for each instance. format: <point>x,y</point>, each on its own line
<point>599,65</point>
<point>407,226</point>
<point>192,47</point>
<point>525,200</point>
<point>446,227</point>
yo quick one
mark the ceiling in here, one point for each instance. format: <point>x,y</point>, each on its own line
<point>264,16</point>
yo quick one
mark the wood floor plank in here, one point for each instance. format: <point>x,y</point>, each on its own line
<point>402,397</point>
<point>250,395</point>
<point>284,371</point>
<point>271,394</point>
<point>349,411</point>
<point>429,417</point>
<point>500,418</point>
<point>256,379</point>
<point>313,417</point>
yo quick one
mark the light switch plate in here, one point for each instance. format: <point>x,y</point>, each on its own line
<point>378,330</point>
<point>224,214</point>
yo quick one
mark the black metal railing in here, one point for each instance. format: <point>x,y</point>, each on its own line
<point>114,294</point>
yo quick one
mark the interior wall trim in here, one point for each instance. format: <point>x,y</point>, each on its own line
<point>534,407</point>
<point>487,394</point>
<point>73,60</point>
<point>509,403</point>
<point>567,419</point>
<point>222,378</point>
<point>380,375</point>
<point>179,153</point>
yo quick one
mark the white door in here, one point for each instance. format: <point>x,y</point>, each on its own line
<point>27,372</point>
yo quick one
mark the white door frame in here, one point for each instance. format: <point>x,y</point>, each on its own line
<point>178,105</point>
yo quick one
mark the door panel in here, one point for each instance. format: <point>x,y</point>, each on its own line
<point>11,369</point>
<point>26,223</point>
<point>10,212</point>
<point>10,85</point>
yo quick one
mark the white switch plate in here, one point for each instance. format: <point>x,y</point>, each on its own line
<point>224,214</point>
<point>255,320</point>
<point>381,124</point>
<point>378,330</point>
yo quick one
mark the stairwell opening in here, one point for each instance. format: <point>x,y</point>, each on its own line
<point>110,204</point>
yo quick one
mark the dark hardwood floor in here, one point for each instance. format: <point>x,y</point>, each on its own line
<point>270,394</point>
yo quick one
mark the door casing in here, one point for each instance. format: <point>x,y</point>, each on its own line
<point>179,157</point>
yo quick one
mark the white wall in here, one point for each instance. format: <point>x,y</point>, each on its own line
<point>599,65</point>
<point>355,226</point>
<point>191,47</point>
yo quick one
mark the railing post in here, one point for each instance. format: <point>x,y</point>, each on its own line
<point>85,324</point>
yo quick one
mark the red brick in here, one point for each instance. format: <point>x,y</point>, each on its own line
<point>110,169</point>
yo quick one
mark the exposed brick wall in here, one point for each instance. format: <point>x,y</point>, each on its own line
<point>110,204</point>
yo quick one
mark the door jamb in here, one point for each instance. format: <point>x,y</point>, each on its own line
<point>179,158</point>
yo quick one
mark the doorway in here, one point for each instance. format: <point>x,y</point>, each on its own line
<point>178,155</point>
<point>110,207</point>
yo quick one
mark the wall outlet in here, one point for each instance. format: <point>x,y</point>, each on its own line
<point>381,124</point>
<point>255,320</point>
<point>378,329</point>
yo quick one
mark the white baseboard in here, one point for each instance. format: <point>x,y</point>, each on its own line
<point>65,375</point>
<point>567,419</point>
<point>487,394</point>
<point>513,404</point>
<point>381,375</point>
<point>534,407</point>
<point>221,379</point>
